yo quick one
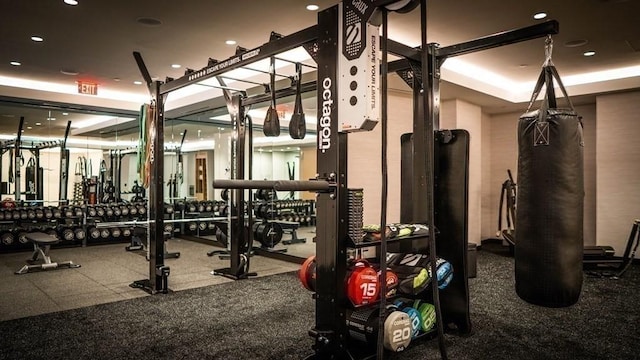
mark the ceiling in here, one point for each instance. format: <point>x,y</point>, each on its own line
<point>95,39</point>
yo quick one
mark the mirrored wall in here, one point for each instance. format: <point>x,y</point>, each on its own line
<point>103,146</point>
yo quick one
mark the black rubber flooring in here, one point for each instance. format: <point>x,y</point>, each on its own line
<point>268,318</point>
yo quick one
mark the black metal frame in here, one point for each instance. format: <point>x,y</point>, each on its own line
<point>18,145</point>
<point>330,331</point>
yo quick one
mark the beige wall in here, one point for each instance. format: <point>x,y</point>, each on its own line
<point>364,165</point>
<point>308,169</point>
<point>609,207</point>
<point>503,143</point>
<point>618,167</point>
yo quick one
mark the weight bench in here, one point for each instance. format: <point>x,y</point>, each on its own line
<point>289,227</point>
<point>41,246</point>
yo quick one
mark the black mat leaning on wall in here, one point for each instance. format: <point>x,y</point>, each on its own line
<point>548,253</point>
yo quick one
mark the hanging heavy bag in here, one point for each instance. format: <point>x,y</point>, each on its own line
<point>271,126</point>
<point>549,218</point>
<point>297,125</point>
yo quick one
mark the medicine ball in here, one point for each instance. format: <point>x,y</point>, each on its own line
<point>307,273</point>
<point>362,285</point>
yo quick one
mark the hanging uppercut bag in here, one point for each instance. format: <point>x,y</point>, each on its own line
<point>271,126</point>
<point>549,218</point>
<point>297,125</point>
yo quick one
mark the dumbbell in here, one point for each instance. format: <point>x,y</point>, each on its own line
<point>57,213</point>
<point>116,232</point>
<point>201,206</point>
<point>116,210</point>
<point>133,210</point>
<point>208,207</point>
<point>126,232</point>
<point>79,233</point>
<point>22,237</point>
<point>67,234</point>
<point>24,215</point>
<point>2,214</point>
<point>124,210</point>
<point>92,211</point>
<point>104,233</point>
<point>52,232</point>
<point>142,209</point>
<point>168,228</point>
<point>100,211</point>
<point>94,233</point>
<point>39,213</point>
<point>7,238</point>
<point>168,208</point>
<point>191,207</point>
<point>77,211</point>
<point>192,226</point>
<point>211,225</point>
<point>67,211</point>
<point>202,226</point>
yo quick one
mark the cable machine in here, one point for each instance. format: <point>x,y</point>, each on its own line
<point>428,155</point>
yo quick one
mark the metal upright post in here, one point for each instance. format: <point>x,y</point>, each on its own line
<point>330,330</point>
<point>64,165</point>
<point>158,272</point>
<point>16,158</point>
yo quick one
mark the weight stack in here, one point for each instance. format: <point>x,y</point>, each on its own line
<point>356,213</point>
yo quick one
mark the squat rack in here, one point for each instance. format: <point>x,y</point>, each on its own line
<point>330,331</point>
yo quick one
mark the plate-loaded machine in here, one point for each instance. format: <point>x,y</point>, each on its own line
<point>336,44</point>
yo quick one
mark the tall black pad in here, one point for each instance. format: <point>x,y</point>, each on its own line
<point>451,216</point>
<point>549,219</point>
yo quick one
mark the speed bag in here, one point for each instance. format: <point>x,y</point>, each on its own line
<point>550,201</point>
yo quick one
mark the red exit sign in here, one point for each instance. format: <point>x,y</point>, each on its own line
<point>87,88</point>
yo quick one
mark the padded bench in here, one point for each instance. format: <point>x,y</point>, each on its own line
<point>289,227</point>
<point>41,245</point>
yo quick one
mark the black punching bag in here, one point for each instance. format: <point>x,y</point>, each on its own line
<point>549,219</point>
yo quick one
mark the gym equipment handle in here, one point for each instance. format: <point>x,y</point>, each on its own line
<point>279,185</point>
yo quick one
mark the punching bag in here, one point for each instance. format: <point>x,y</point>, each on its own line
<point>549,219</point>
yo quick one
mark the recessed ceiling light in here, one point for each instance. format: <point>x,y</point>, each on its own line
<point>69,72</point>
<point>65,113</point>
<point>589,53</point>
<point>37,38</point>
<point>116,79</point>
<point>148,21</point>
<point>51,118</point>
<point>29,128</point>
<point>576,43</point>
<point>540,15</point>
<point>71,2</point>
<point>176,66</point>
<point>137,82</point>
<point>38,124</point>
<point>522,66</point>
<point>230,42</point>
<point>313,7</point>
<point>15,63</point>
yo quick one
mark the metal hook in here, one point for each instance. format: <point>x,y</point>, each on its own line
<point>548,50</point>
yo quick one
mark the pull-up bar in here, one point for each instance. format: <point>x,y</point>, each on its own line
<point>508,37</point>
<point>278,185</point>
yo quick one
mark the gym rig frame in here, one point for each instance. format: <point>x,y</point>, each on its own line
<point>17,145</point>
<point>428,152</point>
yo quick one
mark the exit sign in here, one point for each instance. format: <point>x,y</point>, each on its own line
<point>87,88</point>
